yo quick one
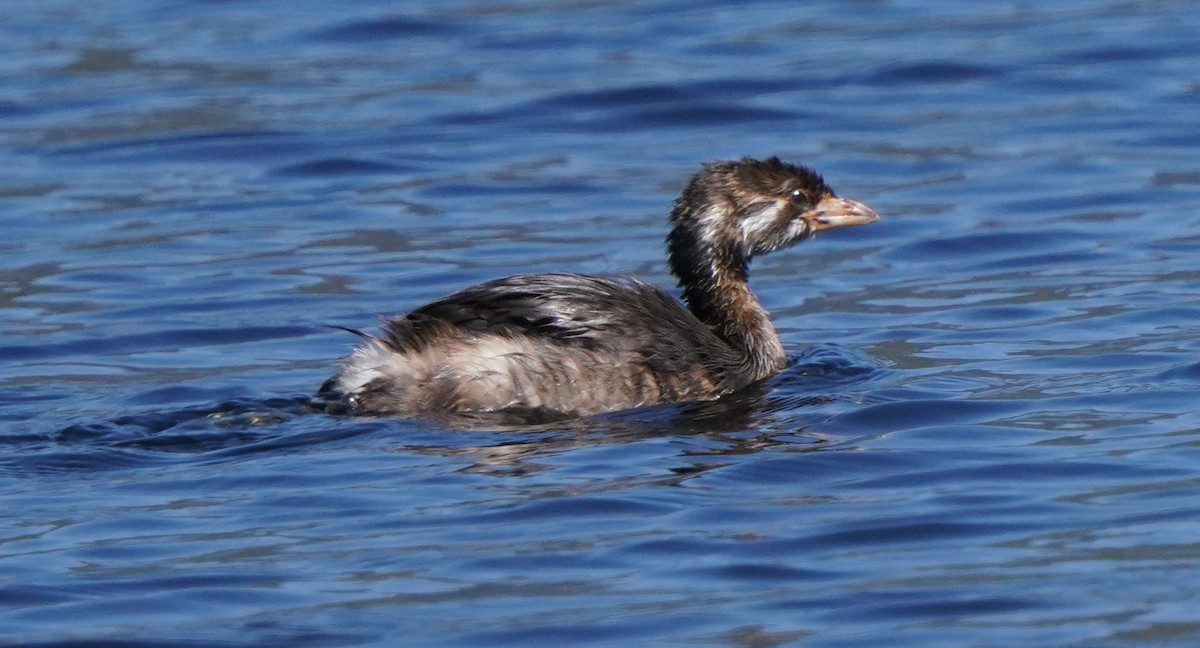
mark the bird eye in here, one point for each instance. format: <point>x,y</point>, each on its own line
<point>795,195</point>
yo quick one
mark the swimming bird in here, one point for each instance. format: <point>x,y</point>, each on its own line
<point>562,345</point>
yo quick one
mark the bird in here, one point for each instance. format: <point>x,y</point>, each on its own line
<point>564,345</point>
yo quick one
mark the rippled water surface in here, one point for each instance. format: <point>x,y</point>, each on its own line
<point>989,436</point>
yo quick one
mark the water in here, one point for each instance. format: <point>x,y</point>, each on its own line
<point>989,436</point>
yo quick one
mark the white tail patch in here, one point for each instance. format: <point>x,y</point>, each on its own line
<point>371,360</point>
<point>490,372</point>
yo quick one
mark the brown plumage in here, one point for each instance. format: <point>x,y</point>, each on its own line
<point>562,345</point>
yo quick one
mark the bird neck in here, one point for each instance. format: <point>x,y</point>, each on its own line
<point>716,289</point>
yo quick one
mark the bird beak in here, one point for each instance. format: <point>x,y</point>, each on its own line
<point>831,212</point>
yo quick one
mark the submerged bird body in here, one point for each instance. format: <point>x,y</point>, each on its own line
<point>567,344</point>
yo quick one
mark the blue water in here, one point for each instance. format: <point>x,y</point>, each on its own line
<point>990,435</point>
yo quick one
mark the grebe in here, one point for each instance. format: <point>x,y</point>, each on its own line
<point>563,345</point>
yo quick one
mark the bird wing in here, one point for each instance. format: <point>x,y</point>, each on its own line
<point>569,308</point>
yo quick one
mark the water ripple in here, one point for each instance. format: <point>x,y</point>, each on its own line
<point>986,434</point>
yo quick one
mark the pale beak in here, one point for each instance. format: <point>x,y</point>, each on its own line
<point>831,212</point>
